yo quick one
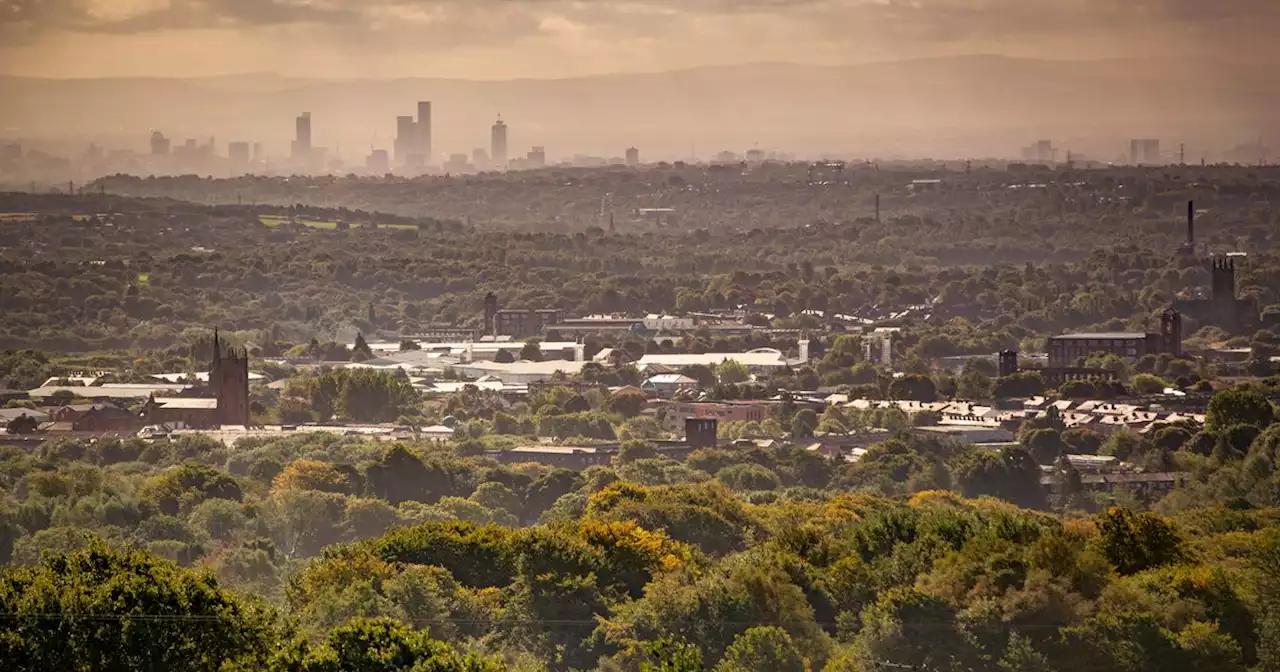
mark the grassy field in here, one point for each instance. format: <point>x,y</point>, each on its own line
<point>17,216</point>
<point>276,220</point>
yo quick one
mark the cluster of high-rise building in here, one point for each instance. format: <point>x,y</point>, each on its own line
<point>413,139</point>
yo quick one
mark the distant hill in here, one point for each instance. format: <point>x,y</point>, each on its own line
<point>943,107</point>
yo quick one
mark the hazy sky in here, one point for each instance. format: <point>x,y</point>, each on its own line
<point>552,38</point>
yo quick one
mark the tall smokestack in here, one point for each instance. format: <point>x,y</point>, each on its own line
<point>1191,223</point>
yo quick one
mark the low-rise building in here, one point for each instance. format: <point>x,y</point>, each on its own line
<point>668,384</point>
<point>674,414</point>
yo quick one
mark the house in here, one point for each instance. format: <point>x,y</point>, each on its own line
<point>95,418</point>
<point>7,415</point>
<point>185,411</point>
<point>1152,485</point>
<point>668,384</point>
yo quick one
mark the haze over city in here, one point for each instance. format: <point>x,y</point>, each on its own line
<point>941,78</point>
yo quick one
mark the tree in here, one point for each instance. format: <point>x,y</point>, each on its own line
<point>1078,389</point>
<point>671,655</point>
<point>1146,383</point>
<point>731,371</point>
<point>1238,406</point>
<point>913,387</point>
<point>95,609</point>
<point>532,350</point>
<point>762,648</point>
<point>628,404</point>
<point>804,423</point>
<point>385,645</point>
<point>1019,385</point>
<point>23,424</point>
<point>504,357</point>
<point>974,385</point>
<point>702,373</point>
<point>1134,542</point>
<point>748,477</point>
<point>1045,445</point>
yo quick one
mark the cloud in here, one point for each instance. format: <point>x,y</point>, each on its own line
<point>628,34</point>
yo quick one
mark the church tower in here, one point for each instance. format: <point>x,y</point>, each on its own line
<point>229,381</point>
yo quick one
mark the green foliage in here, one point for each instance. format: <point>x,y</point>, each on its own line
<point>105,609</point>
<point>1238,406</point>
<point>730,372</point>
<point>764,648</point>
<point>1134,542</point>
<point>383,645</point>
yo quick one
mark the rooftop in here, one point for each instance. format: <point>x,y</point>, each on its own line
<point>1102,336</point>
<point>187,402</point>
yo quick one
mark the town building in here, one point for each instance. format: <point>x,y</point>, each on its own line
<point>668,384</point>
<point>1066,349</point>
<point>674,414</point>
<point>225,401</point>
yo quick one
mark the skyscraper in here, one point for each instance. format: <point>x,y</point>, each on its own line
<point>633,156</point>
<point>302,139</point>
<point>498,144</point>
<point>424,130</point>
<point>537,157</point>
<point>159,144</point>
<point>407,138</point>
<point>1144,151</point>
<point>238,152</point>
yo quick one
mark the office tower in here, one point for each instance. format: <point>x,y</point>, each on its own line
<point>537,157</point>
<point>1044,151</point>
<point>498,144</point>
<point>302,140</point>
<point>633,156</point>
<point>406,140</point>
<point>481,158</point>
<point>378,162</point>
<point>257,152</point>
<point>159,144</point>
<point>424,130</point>
<point>238,152</point>
<point>1144,151</point>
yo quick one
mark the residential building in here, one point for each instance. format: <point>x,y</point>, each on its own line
<point>668,384</point>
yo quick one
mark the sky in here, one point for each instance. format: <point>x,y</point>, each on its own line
<point>504,39</point>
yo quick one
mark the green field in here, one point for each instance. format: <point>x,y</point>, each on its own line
<point>276,220</point>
